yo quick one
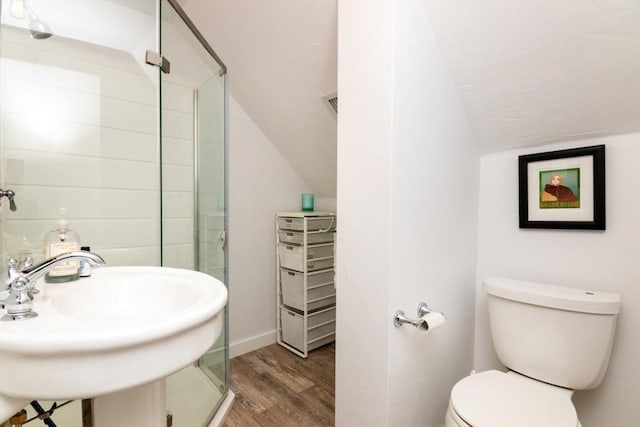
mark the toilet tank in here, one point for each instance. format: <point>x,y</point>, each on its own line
<point>558,335</point>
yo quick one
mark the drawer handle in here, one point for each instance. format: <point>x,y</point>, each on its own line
<point>288,221</point>
<point>290,273</point>
<point>289,234</point>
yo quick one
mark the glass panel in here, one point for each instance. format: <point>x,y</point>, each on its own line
<point>79,123</point>
<point>79,120</point>
<point>193,170</point>
<point>211,208</point>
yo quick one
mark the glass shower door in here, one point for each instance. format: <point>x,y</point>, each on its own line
<point>193,193</point>
<point>78,130</point>
<point>78,116</point>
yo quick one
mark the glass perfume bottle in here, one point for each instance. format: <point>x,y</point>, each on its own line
<point>58,241</point>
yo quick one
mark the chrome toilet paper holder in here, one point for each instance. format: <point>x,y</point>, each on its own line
<point>400,319</point>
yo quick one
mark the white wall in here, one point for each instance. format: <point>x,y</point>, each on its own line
<point>261,183</point>
<point>600,260</point>
<point>363,202</point>
<point>407,203</point>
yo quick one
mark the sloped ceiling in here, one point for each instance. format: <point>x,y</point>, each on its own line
<point>282,60</point>
<point>533,72</point>
<point>529,71</point>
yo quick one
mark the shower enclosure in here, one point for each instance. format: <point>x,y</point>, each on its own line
<point>115,111</point>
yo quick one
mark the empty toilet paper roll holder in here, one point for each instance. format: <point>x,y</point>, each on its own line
<point>400,319</point>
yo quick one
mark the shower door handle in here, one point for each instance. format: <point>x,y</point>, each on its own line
<point>222,237</point>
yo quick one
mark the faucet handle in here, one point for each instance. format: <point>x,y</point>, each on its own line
<point>12,271</point>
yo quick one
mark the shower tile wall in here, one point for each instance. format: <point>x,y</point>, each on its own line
<point>78,123</point>
<point>177,179</point>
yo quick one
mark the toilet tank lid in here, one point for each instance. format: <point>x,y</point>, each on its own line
<point>563,298</point>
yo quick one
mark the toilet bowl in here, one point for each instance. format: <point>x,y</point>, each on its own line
<point>553,340</point>
<point>499,399</point>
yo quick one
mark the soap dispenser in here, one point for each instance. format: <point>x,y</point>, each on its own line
<point>59,241</point>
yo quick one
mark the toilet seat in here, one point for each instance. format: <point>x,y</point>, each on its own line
<point>499,399</point>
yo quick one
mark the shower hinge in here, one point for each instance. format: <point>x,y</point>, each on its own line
<point>154,58</point>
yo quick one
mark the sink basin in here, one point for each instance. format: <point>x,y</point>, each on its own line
<point>146,294</point>
<point>120,328</point>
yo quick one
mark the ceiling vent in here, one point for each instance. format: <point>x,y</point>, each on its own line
<point>332,101</point>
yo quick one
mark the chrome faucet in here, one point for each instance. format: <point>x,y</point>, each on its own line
<point>21,278</point>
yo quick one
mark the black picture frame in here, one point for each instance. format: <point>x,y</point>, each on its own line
<point>563,189</point>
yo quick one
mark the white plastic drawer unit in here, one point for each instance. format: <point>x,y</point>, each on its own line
<point>313,224</point>
<point>319,257</point>
<point>313,237</point>
<point>320,289</point>
<point>321,328</point>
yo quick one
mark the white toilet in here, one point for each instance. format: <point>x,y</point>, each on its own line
<point>553,340</point>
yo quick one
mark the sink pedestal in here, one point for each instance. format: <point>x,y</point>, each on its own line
<point>142,406</point>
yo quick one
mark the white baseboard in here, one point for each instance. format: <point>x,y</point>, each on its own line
<point>250,344</point>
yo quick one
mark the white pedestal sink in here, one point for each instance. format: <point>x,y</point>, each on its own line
<point>114,337</point>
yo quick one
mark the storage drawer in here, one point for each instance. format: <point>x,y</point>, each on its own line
<point>320,289</point>
<point>297,237</point>
<point>313,224</point>
<point>319,257</point>
<point>321,328</point>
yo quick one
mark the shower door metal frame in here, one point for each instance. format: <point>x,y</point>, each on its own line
<point>199,36</point>
<point>196,242</point>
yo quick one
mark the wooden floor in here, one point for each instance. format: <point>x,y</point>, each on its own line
<point>274,387</point>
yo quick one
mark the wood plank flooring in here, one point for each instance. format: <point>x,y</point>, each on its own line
<point>276,388</point>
